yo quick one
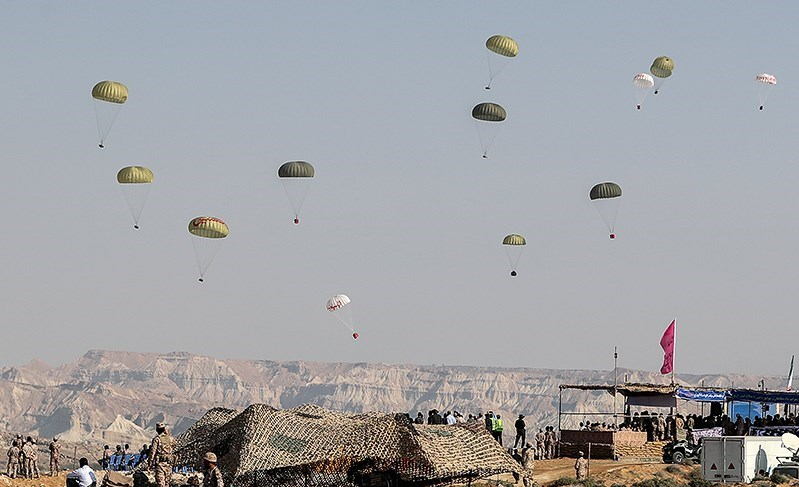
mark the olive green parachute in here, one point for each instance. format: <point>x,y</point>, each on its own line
<point>502,45</point>
<point>514,247</point>
<point>210,232</point>
<point>606,199</point>
<point>110,91</point>
<point>662,67</point>
<point>296,177</point>
<point>296,169</point>
<point>109,97</point>
<point>489,112</point>
<point>208,227</point>
<point>135,182</point>
<point>514,239</point>
<point>605,191</point>
<point>134,175</point>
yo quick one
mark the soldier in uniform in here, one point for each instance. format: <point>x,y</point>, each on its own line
<point>13,460</point>
<point>540,444</point>
<point>212,477</point>
<point>581,467</point>
<point>29,459</point>
<point>55,457</point>
<point>660,427</point>
<point>528,462</point>
<point>161,456</point>
<point>550,438</point>
<point>34,458</point>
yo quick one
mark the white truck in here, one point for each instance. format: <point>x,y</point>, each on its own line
<point>740,458</point>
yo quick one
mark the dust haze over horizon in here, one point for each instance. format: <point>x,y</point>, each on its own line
<point>404,215</point>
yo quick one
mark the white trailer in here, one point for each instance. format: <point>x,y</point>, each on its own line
<point>740,458</point>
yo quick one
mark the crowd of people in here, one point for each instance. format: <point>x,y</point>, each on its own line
<point>543,445</point>
<point>158,457</point>
<point>23,458</point>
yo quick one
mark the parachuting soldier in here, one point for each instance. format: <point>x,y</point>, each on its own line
<point>161,458</point>
<point>13,460</point>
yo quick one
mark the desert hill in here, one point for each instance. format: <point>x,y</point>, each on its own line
<point>110,395</point>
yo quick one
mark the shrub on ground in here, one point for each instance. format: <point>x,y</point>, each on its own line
<point>564,481</point>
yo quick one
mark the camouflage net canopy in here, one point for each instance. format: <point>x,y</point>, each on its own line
<point>311,446</point>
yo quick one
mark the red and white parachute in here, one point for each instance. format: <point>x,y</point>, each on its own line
<point>765,82</point>
<point>339,306</point>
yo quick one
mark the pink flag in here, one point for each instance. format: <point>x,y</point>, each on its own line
<point>667,343</point>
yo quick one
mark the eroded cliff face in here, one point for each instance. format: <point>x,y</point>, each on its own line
<point>124,394</point>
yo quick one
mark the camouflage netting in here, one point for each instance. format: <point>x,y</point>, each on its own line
<point>199,432</point>
<point>311,446</point>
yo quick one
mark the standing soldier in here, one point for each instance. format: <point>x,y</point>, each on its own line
<point>161,456</point>
<point>581,467</point>
<point>660,427</point>
<point>55,457</point>
<point>549,442</point>
<point>212,477</point>
<point>34,456</point>
<point>528,463</point>
<point>29,459</point>
<point>13,460</point>
<point>540,442</point>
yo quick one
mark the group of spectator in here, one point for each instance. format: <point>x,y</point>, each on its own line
<point>543,445</point>
<point>656,426</point>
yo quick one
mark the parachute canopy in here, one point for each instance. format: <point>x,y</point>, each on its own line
<point>643,80</point>
<point>135,175</point>
<point>605,191</point>
<point>337,302</point>
<point>502,45</point>
<point>208,227</point>
<point>766,78</point>
<point>110,91</point>
<point>489,112</point>
<point>514,239</point>
<point>296,169</point>
<point>662,67</point>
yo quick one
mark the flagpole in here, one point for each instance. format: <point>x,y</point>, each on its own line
<point>673,351</point>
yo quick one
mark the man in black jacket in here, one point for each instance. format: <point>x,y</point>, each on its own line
<point>521,431</point>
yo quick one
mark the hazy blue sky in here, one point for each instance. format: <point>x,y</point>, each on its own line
<point>404,215</point>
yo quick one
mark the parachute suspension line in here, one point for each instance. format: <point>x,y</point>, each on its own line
<point>485,144</point>
<point>296,207</point>
<point>113,117</point>
<point>99,130</point>
<point>205,254</point>
<point>491,73</point>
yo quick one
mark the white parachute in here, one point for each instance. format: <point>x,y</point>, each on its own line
<point>339,307</point>
<point>642,83</point>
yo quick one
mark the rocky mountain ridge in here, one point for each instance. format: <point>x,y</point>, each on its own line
<point>110,395</point>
